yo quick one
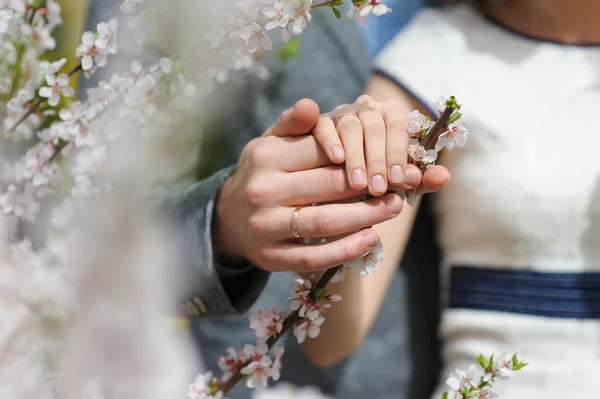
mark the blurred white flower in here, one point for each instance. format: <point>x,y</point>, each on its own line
<point>91,52</point>
<point>57,86</point>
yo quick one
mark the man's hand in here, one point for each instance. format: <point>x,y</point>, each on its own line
<point>275,175</point>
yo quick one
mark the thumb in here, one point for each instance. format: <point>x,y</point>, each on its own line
<point>296,121</point>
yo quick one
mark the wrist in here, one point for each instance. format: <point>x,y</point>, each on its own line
<point>227,244</point>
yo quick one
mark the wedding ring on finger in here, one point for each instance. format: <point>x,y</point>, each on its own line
<point>294,222</point>
<point>337,119</point>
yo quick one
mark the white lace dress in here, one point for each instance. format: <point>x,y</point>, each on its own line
<point>520,220</point>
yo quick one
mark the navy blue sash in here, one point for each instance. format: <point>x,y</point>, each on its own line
<point>563,295</point>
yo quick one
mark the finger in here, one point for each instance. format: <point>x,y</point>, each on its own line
<point>327,135</point>
<point>396,145</point>
<point>319,185</point>
<point>298,120</point>
<point>329,220</point>
<point>294,154</point>
<point>375,148</point>
<point>412,177</point>
<point>351,132</point>
<point>308,258</point>
<point>434,178</point>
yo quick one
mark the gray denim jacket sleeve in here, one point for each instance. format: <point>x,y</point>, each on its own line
<point>204,287</point>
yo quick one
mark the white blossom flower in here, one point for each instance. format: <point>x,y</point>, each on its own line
<point>261,366</point>
<point>301,15</point>
<point>90,51</point>
<point>308,327</point>
<point>19,203</point>
<point>204,387</point>
<point>410,196</point>
<point>417,122</point>
<point>232,362</point>
<point>266,323</point>
<point>455,135</point>
<point>288,391</point>
<point>368,263</point>
<point>440,104</point>
<point>485,393</point>
<point>6,16</point>
<point>107,35</point>
<point>426,157</point>
<point>57,85</point>
<point>256,38</point>
<point>361,10</point>
<point>131,6</point>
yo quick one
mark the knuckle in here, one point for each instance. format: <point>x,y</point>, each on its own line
<point>365,98</point>
<point>255,192</point>
<point>349,122</point>
<point>260,154</point>
<point>377,162</point>
<point>397,124</point>
<point>337,181</point>
<point>308,262</point>
<point>323,225</point>
<point>397,155</point>
<point>256,224</point>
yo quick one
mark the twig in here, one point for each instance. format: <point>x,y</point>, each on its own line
<point>33,108</point>
<point>324,4</point>
<point>437,129</point>
<point>288,323</point>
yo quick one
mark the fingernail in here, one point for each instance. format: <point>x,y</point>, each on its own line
<point>370,239</point>
<point>378,184</point>
<point>412,177</point>
<point>358,177</point>
<point>396,174</point>
<point>337,152</point>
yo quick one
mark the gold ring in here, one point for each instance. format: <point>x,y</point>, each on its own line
<point>294,223</point>
<point>337,118</point>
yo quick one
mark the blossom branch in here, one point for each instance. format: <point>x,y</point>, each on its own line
<point>325,3</point>
<point>39,101</point>
<point>288,323</point>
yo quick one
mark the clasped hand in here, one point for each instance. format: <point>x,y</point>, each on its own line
<point>356,149</point>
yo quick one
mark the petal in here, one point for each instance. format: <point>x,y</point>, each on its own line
<point>62,79</point>
<point>101,60</point>
<point>453,383</point>
<point>54,100</point>
<point>51,80</point>
<point>68,91</point>
<point>87,63</point>
<point>265,42</point>
<point>88,39</point>
<point>46,92</point>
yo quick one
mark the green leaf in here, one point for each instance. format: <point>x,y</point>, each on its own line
<point>519,366</point>
<point>483,361</point>
<point>337,12</point>
<point>290,50</point>
<point>320,292</point>
<point>454,117</point>
<point>444,395</point>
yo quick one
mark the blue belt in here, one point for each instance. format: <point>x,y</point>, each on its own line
<point>563,295</point>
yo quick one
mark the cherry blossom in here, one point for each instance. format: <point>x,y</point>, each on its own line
<point>57,86</point>
<point>368,264</point>
<point>256,38</point>
<point>267,324</point>
<point>455,135</point>
<point>417,122</point>
<point>232,363</point>
<point>308,327</point>
<point>204,387</point>
<point>261,367</point>
<point>288,391</point>
<point>362,9</point>
<point>91,51</point>
<point>107,35</point>
<point>302,17</point>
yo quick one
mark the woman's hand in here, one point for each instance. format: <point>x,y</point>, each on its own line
<point>371,138</point>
